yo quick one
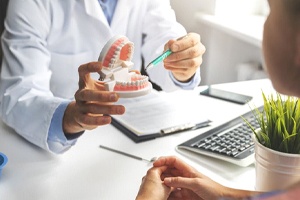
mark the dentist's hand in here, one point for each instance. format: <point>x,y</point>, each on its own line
<point>92,105</point>
<point>186,57</point>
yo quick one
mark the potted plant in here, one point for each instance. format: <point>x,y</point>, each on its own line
<point>277,142</point>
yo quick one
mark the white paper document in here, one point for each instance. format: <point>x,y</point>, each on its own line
<point>158,110</point>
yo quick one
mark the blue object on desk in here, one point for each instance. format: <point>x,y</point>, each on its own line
<point>3,161</point>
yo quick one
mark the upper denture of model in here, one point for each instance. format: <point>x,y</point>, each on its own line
<point>116,58</point>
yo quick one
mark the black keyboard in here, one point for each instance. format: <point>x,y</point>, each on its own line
<point>231,141</point>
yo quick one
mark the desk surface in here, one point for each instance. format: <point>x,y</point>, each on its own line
<point>88,172</point>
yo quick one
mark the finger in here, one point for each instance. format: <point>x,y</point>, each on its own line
<point>164,160</point>
<point>99,85</point>
<point>172,162</point>
<point>168,44</point>
<point>89,122</point>
<point>184,65</point>
<point>181,182</point>
<point>192,52</point>
<point>103,109</point>
<point>171,172</point>
<point>156,171</point>
<point>161,169</point>
<point>89,68</point>
<point>98,96</point>
<point>85,70</point>
<point>186,42</point>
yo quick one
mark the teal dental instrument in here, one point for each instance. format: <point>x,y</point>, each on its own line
<point>158,59</point>
<point>162,56</point>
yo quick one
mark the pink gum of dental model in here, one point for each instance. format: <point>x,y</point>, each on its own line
<point>116,58</point>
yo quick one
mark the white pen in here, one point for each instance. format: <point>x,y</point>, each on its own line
<point>184,127</point>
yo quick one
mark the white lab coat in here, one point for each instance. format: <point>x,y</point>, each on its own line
<point>47,40</point>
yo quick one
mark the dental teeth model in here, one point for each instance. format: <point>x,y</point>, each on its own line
<point>116,58</point>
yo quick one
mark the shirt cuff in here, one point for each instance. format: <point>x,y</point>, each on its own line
<point>188,85</point>
<point>266,195</point>
<point>57,141</point>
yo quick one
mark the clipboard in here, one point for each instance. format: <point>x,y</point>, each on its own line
<point>157,115</point>
<point>132,135</point>
<point>136,138</point>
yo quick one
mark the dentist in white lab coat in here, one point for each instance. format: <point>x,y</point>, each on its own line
<point>50,49</point>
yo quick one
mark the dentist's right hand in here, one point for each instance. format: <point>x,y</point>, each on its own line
<point>93,105</point>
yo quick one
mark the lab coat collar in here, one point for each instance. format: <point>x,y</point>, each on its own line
<point>120,18</point>
<point>93,9</point>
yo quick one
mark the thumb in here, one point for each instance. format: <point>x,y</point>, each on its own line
<point>168,44</point>
<point>181,182</point>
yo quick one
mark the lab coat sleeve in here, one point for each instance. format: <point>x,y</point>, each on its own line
<point>27,103</point>
<point>159,26</point>
<point>58,143</point>
<point>194,82</point>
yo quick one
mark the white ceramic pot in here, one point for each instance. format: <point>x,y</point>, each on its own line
<point>275,170</point>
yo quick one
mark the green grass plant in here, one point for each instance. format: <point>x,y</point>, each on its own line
<point>279,123</point>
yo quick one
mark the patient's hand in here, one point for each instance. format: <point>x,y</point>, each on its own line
<point>152,186</point>
<point>188,183</point>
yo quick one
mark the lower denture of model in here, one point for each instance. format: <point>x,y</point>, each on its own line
<point>116,58</point>
<point>137,82</point>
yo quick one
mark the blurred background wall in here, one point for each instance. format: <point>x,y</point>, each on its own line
<point>231,31</point>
